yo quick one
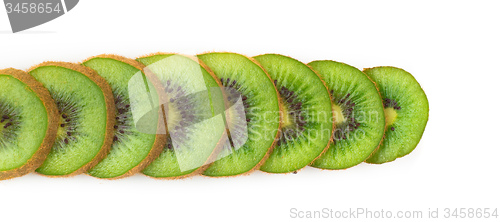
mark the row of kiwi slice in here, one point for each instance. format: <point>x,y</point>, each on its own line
<point>171,116</point>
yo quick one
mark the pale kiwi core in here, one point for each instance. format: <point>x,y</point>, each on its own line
<point>390,115</point>
<point>337,113</point>
<point>286,119</point>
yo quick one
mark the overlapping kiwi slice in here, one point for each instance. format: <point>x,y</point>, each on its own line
<point>252,113</point>
<point>358,112</point>
<point>193,107</point>
<point>218,114</point>
<point>406,112</point>
<point>131,150</point>
<point>306,118</point>
<point>85,125</point>
<point>28,123</point>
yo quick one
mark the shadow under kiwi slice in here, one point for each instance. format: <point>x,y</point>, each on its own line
<point>132,150</point>
<point>28,123</point>
<point>306,120</point>
<point>193,106</point>
<point>359,115</point>
<point>406,112</point>
<point>85,125</point>
<point>252,113</point>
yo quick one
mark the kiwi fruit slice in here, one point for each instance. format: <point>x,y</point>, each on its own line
<point>194,120</point>
<point>306,117</point>
<point>85,125</point>
<point>406,112</point>
<point>28,123</point>
<point>358,113</point>
<point>131,150</point>
<point>251,116</point>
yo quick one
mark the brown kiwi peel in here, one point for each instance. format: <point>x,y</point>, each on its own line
<point>50,135</point>
<point>110,105</point>
<point>160,139</point>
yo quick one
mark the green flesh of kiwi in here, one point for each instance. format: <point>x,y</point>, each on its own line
<point>406,111</point>
<point>27,123</point>
<point>131,150</point>
<point>358,112</point>
<point>196,129</point>
<point>307,114</point>
<point>252,118</point>
<point>83,135</point>
<point>24,122</point>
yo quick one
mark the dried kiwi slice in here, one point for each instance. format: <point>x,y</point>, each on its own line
<point>406,112</point>
<point>28,123</point>
<point>358,112</point>
<point>131,150</point>
<point>252,115</point>
<point>196,129</point>
<point>306,121</point>
<point>86,106</point>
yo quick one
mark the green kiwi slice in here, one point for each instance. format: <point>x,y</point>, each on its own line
<point>86,106</point>
<point>131,150</point>
<point>28,123</point>
<point>251,116</point>
<point>358,114</point>
<point>406,112</point>
<point>306,119</point>
<point>195,128</point>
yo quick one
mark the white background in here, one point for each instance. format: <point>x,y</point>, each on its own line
<point>451,47</point>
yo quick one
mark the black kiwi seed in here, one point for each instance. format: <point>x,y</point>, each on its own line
<point>391,103</point>
<point>233,92</point>
<point>348,107</point>
<point>123,123</point>
<point>12,120</point>
<point>69,122</point>
<point>180,99</point>
<point>294,108</point>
